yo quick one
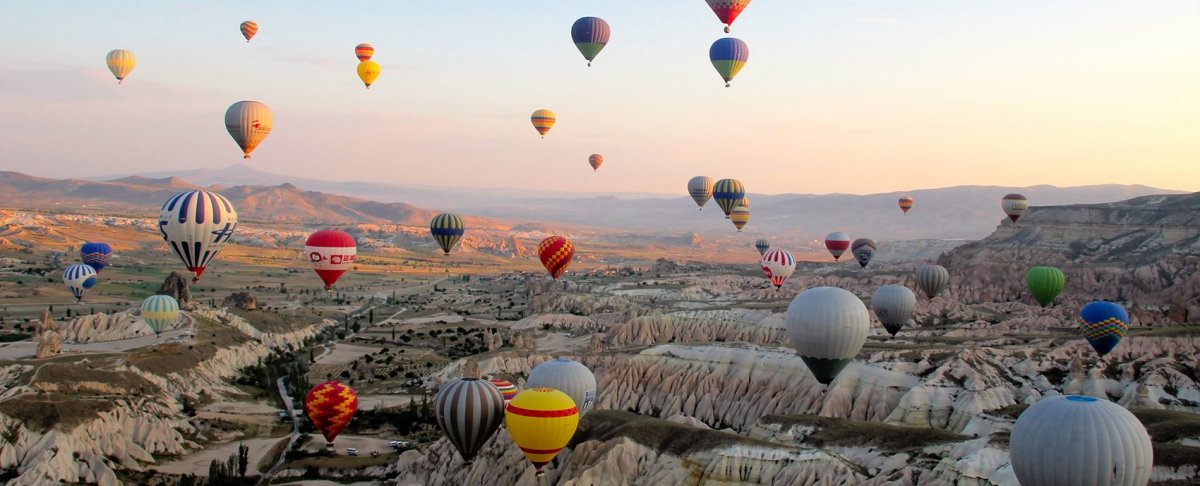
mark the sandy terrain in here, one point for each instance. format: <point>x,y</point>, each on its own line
<point>256,413</point>
<point>364,444</point>
<point>27,349</point>
<point>345,353</point>
<point>369,402</point>
<point>197,462</point>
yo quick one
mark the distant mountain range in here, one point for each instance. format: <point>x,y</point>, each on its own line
<point>960,212</point>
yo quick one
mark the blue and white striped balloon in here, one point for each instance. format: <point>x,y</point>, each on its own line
<point>197,224</point>
<point>79,278</point>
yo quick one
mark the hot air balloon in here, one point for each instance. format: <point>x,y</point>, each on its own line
<point>556,253</point>
<point>837,243</point>
<point>595,160</point>
<point>701,190</point>
<point>368,72</point>
<point>469,411</point>
<point>248,123</point>
<point>1103,324</point>
<point>827,327</point>
<point>893,305</point>
<point>121,63</point>
<point>863,249</point>
<point>79,278</point>
<point>906,203</point>
<point>728,193</point>
<point>331,253</point>
<point>740,216</point>
<point>1045,283</point>
<point>507,389</point>
<point>330,406</point>
<point>728,56</point>
<point>1074,440</point>
<point>1014,205</point>
<point>249,28</point>
<point>762,245</point>
<point>447,229</point>
<point>197,224</point>
<point>727,10</point>
<point>778,265</point>
<point>96,255</point>
<point>364,52</point>
<point>159,312</point>
<point>543,120</point>
<point>541,422</point>
<point>590,34</point>
<point>932,279</point>
<point>745,202</point>
<point>567,376</point>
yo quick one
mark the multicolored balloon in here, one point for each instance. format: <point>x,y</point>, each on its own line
<point>728,56</point>
<point>778,265</point>
<point>740,216</point>
<point>595,160</point>
<point>556,253</point>
<point>448,230</point>
<point>590,35</point>
<point>701,190</point>
<point>906,203</point>
<point>96,255</point>
<point>893,305</point>
<point>933,279</point>
<point>1103,324</point>
<point>248,28</point>
<point>863,249</point>
<point>828,327</point>
<point>330,406</point>
<point>197,224</point>
<point>762,245</point>
<point>120,62</point>
<point>1045,283</point>
<point>568,376</point>
<point>368,72</point>
<point>541,422</point>
<point>727,10</point>
<point>728,193</point>
<point>745,202</point>
<point>159,312</point>
<point>1069,440</point>
<point>248,122</point>
<point>1014,205</point>
<point>469,411</point>
<point>79,278</point>
<point>543,120</point>
<point>507,389</point>
<point>331,253</point>
<point>837,243</point>
<point>364,52</point>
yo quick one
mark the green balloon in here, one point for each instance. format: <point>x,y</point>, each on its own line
<point>1045,283</point>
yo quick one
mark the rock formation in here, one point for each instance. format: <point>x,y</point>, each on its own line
<point>49,342</point>
<point>242,300</point>
<point>176,285</point>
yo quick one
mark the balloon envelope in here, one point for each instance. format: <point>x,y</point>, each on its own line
<point>933,279</point>
<point>248,122</point>
<point>96,255</point>
<point>197,224</point>
<point>330,406</point>
<point>507,389</point>
<point>906,203</point>
<point>543,120</point>
<point>595,160</point>
<point>728,193</point>
<point>701,190</point>
<point>159,312</point>
<point>79,278</point>
<point>1103,324</point>
<point>364,51</point>
<point>762,245</point>
<point>837,243</point>
<point>827,326</point>
<point>863,249</point>
<point>120,62</point>
<point>469,411</point>
<point>727,10</point>
<point>248,28</point>
<point>778,265</point>
<point>448,230</point>
<point>893,305</point>
<point>368,72</point>
<point>567,376</point>
<point>740,216</point>
<point>590,35</point>
<point>541,422</point>
<point>728,56</point>
<point>1074,440</point>
<point>1014,205</point>
<point>556,253</point>
<point>1045,283</point>
<point>331,253</point>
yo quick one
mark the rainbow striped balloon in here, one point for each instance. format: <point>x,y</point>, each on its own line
<point>728,56</point>
<point>507,389</point>
<point>543,120</point>
<point>740,216</point>
<point>556,253</point>
<point>447,229</point>
<point>364,51</point>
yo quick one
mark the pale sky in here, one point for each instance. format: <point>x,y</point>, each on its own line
<point>851,96</point>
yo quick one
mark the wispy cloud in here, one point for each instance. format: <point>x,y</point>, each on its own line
<point>880,20</point>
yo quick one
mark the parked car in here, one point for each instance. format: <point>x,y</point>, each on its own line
<point>350,451</point>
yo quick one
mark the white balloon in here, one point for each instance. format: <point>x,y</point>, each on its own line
<point>1075,440</point>
<point>79,278</point>
<point>828,327</point>
<point>893,305</point>
<point>567,376</point>
<point>933,279</point>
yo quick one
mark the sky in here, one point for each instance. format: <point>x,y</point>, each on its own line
<point>848,96</point>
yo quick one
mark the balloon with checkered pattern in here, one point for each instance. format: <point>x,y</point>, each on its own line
<point>330,406</point>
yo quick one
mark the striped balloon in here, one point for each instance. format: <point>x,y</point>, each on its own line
<point>330,406</point>
<point>541,422</point>
<point>762,245</point>
<point>728,56</point>
<point>197,224</point>
<point>364,51</point>
<point>120,62</point>
<point>745,202</point>
<point>96,255</point>
<point>543,120</point>
<point>727,10</point>
<point>906,203</point>
<point>863,249</point>
<point>1103,324</point>
<point>590,35</point>
<point>159,312</point>
<point>249,28</point>
<point>740,216</point>
<point>507,389</point>
<point>248,122</point>
<point>79,278</point>
<point>469,411</point>
<point>595,160</point>
<point>728,193</point>
<point>1014,205</point>
<point>778,265</point>
<point>568,376</point>
<point>701,190</point>
<point>556,253</point>
<point>837,243</point>
<point>447,229</point>
<point>933,279</point>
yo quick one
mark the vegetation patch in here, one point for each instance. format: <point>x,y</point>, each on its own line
<point>655,433</point>
<point>1170,426</point>
<point>841,432</point>
<point>278,322</point>
<point>42,412</point>
<point>176,357</point>
<point>77,378</point>
<point>1175,455</point>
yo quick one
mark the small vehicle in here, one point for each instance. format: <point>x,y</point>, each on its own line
<point>350,451</point>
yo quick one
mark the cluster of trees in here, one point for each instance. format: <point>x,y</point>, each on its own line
<point>232,471</point>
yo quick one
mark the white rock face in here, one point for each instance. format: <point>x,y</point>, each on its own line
<point>101,327</point>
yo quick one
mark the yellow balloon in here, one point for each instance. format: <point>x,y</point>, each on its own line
<point>120,62</point>
<point>368,72</point>
<point>542,120</point>
<point>541,422</point>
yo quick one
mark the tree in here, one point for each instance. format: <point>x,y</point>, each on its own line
<point>355,327</point>
<point>243,459</point>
